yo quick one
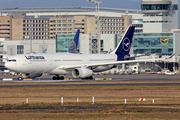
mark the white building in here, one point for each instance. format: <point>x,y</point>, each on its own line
<point>23,47</point>
<point>159,15</point>
<point>88,44</point>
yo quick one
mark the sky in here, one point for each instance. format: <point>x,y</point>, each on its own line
<point>121,4</point>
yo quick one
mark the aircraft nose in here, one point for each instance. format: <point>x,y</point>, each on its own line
<point>7,65</point>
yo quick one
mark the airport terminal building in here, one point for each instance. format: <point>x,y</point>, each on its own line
<point>160,28</point>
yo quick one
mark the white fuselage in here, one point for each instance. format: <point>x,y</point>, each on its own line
<point>52,63</point>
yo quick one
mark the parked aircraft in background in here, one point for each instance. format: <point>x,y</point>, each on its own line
<point>74,43</point>
<point>79,65</point>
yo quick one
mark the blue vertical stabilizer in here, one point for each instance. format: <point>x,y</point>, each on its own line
<point>124,45</point>
<point>74,43</point>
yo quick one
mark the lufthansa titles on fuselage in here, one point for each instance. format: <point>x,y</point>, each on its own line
<point>31,57</point>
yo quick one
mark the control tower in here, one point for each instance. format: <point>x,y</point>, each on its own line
<point>159,15</point>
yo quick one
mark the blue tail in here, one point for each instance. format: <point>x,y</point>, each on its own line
<point>74,43</point>
<point>124,45</point>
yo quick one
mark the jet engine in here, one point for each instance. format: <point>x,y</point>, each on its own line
<point>82,72</point>
<point>33,75</point>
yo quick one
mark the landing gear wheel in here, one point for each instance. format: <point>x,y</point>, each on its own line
<point>54,77</point>
<point>20,78</point>
<point>91,77</point>
<point>62,78</point>
<point>57,77</point>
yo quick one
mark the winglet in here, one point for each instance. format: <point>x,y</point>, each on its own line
<point>74,43</point>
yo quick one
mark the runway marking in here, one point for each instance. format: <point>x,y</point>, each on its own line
<point>103,78</point>
<point>7,79</point>
<point>27,79</point>
<point>108,78</point>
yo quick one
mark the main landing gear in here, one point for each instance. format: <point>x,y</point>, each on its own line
<point>88,78</point>
<point>57,77</point>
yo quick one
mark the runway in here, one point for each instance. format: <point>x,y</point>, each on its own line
<point>110,84</point>
<point>121,80</point>
<point>142,76</point>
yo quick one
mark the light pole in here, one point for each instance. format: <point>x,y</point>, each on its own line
<point>97,22</point>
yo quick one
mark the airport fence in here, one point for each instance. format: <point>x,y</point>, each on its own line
<point>89,100</point>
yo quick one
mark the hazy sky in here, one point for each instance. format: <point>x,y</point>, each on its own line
<point>125,4</point>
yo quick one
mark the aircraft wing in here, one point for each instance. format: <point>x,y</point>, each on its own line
<point>111,63</point>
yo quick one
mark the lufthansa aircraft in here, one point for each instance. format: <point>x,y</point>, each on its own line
<point>72,49</point>
<point>79,65</point>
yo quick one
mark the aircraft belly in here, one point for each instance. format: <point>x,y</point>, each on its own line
<point>60,71</point>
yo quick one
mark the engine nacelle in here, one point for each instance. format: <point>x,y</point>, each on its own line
<point>82,72</point>
<point>33,75</point>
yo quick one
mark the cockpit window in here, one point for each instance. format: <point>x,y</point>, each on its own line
<point>11,60</point>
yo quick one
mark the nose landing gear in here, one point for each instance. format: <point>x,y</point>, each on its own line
<point>20,78</point>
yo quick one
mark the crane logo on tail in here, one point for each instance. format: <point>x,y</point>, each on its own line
<point>126,44</point>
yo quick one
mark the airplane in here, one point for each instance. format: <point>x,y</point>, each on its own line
<point>72,49</point>
<point>79,65</point>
